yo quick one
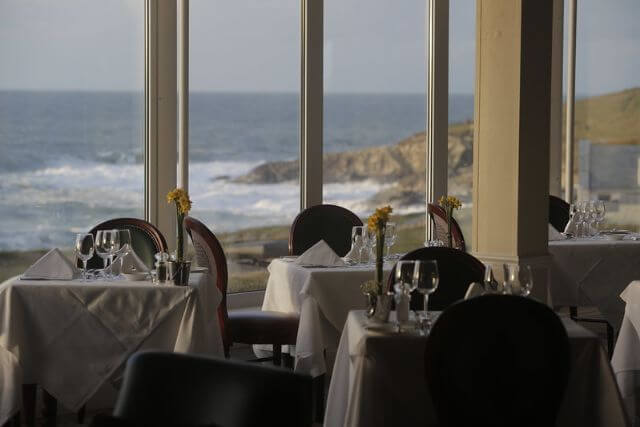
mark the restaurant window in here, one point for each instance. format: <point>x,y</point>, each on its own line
<point>607,109</point>
<point>462,38</point>
<point>243,129</point>
<point>71,122</point>
<point>374,111</point>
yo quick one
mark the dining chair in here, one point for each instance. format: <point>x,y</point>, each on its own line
<point>146,239</point>
<point>171,389</point>
<point>559,217</point>
<point>330,223</point>
<point>439,219</point>
<point>456,269</point>
<point>497,360</point>
<point>558,213</point>
<point>243,326</point>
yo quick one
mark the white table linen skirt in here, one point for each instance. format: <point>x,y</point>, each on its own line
<point>378,380</point>
<point>70,337</point>
<point>323,297</point>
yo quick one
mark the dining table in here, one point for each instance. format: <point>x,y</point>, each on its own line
<point>593,272</point>
<point>379,379</point>
<point>626,355</point>
<point>323,296</point>
<point>72,336</point>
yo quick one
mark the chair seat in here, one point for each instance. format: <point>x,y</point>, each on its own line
<point>263,327</point>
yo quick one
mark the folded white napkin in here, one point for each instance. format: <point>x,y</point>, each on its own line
<point>53,266</point>
<point>320,254</point>
<point>131,264</point>
<point>555,234</point>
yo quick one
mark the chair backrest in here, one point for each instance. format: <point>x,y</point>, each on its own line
<point>178,389</point>
<point>209,254</point>
<point>558,213</point>
<point>439,218</point>
<point>322,222</point>
<point>457,270</point>
<point>146,239</point>
<point>497,360</point>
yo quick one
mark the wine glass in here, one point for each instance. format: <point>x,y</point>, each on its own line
<point>113,241</point>
<point>84,250</point>
<point>358,236</point>
<point>510,278</point>
<point>403,280</point>
<point>592,216</point>
<point>390,235</point>
<point>600,213</point>
<point>525,277</point>
<point>489,283</point>
<point>124,236</point>
<point>425,280</point>
<point>518,279</point>
<point>582,221</point>
<point>102,250</point>
<point>371,243</point>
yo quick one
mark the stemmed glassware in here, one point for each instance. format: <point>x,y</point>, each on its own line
<point>426,279</point>
<point>404,283</point>
<point>124,236</point>
<point>489,283</point>
<point>371,242</point>
<point>600,213</point>
<point>390,236</point>
<point>107,244</point>
<point>84,250</point>
<point>358,236</point>
<point>518,280</point>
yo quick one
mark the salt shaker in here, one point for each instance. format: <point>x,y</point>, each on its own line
<point>162,267</point>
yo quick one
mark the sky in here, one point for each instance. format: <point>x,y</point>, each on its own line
<point>371,46</point>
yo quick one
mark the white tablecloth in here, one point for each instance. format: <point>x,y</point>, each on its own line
<point>70,336</point>
<point>323,297</point>
<point>593,273</point>
<point>378,380</point>
<point>626,356</point>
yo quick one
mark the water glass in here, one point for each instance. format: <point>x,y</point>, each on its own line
<point>358,239</point>
<point>84,248</point>
<point>390,236</point>
<point>124,237</point>
<point>371,243</point>
<point>488,281</point>
<point>518,280</point>
<point>425,280</point>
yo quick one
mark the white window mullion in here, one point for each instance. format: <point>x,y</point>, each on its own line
<point>160,114</point>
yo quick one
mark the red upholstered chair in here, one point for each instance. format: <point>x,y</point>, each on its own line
<point>457,270</point>
<point>439,218</point>
<point>322,222</point>
<point>248,327</point>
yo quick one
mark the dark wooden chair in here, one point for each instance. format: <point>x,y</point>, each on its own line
<point>457,270</point>
<point>146,239</point>
<point>170,389</point>
<point>558,213</point>
<point>246,326</point>
<point>497,360</point>
<point>323,222</point>
<point>439,218</point>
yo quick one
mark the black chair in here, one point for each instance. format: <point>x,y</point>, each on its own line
<point>169,389</point>
<point>439,218</point>
<point>497,360</point>
<point>559,217</point>
<point>457,270</point>
<point>322,222</point>
<point>558,213</point>
<point>146,239</point>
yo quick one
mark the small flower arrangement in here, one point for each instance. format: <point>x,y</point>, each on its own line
<point>449,203</point>
<point>183,205</point>
<point>377,223</point>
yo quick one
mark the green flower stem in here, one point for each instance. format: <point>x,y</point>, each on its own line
<point>180,231</point>
<point>379,257</point>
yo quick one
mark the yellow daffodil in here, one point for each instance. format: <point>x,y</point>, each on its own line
<point>450,202</point>
<point>379,218</point>
<point>181,198</point>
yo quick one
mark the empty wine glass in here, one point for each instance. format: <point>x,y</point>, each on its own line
<point>359,236</point>
<point>592,216</point>
<point>404,276</point>
<point>84,250</point>
<point>390,235</point>
<point>600,213</point>
<point>353,256</point>
<point>371,243</point>
<point>114,245</point>
<point>583,220</point>
<point>426,279</point>
<point>518,279</point>
<point>102,249</point>
<point>124,237</point>
<point>488,281</point>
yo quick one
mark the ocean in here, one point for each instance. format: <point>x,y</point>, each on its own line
<point>69,160</point>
